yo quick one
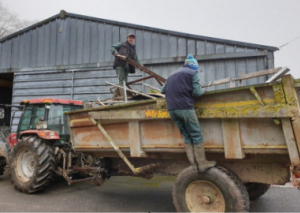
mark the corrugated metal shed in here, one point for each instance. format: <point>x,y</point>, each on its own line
<point>68,56</point>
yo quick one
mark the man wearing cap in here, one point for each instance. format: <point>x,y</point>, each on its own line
<point>180,89</point>
<point>125,50</point>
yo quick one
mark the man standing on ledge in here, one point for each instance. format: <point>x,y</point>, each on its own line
<point>180,88</point>
<point>124,50</point>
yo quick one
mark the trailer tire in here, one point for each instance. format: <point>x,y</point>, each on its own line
<point>32,165</point>
<point>256,190</point>
<point>216,190</point>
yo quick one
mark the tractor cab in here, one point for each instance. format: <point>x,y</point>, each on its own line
<point>45,117</point>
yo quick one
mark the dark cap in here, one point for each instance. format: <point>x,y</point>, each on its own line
<point>130,34</point>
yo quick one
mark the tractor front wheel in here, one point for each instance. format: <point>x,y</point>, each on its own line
<point>32,164</point>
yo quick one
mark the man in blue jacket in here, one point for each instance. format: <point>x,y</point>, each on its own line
<point>180,89</point>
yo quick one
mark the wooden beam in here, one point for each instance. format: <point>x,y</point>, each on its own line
<point>232,139</point>
<point>290,141</point>
<point>242,77</point>
<point>7,84</point>
<point>292,100</point>
<point>135,140</point>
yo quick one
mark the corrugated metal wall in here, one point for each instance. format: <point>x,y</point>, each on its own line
<point>73,41</point>
<point>74,85</point>
<point>42,58</point>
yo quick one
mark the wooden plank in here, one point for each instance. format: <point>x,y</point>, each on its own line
<point>253,111</point>
<point>242,77</point>
<point>135,140</point>
<point>292,100</point>
<point>232,139</point>
<point>278,75</point>
<point>290,141</point>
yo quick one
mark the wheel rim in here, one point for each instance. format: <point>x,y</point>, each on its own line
<point>25,165</point>
<point>203,196</point>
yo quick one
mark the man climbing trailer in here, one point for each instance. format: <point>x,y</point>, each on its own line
<point>180,88</point>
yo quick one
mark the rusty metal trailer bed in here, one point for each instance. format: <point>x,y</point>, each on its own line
<point>253,133</point>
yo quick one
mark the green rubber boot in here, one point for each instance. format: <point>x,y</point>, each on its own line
<point>189,149</point>
<point>201,161</point>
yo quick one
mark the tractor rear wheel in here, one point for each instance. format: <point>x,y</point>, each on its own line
<point>32,164</point>
<point>216,190</point>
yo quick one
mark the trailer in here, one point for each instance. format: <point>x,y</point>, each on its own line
<point>252,132</point>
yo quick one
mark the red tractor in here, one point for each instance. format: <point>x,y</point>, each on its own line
<point>42,147</point>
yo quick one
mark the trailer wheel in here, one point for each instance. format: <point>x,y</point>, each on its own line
<point>255,190</point>
<point>32,165</point>
<point>216,190</point>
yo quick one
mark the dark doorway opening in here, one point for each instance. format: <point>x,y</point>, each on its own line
<point>6,90</point>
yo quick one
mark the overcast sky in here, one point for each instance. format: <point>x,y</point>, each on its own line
<point>267,22</point>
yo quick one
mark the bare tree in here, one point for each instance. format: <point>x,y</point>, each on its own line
<point>10,22</point>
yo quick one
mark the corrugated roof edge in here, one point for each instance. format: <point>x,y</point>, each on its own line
<point>175,33</point>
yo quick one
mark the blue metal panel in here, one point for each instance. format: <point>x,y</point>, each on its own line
<point>115,34</point>
<point>94,43</point>
<point>47,40</point>
<point>66,41</point>
<point>33,48</point>
<point>60,40</point>
<point>5,55</point>
<point>147,45</point>
<point>251,67</point>
<point>173,45</point>
<point>210,73</point>
<point>123,33</point>
<point>220,72</point>
<point>86,42</point>
<point>108,42</point>
<point>164,50</point>
<point>182,46</point>
<point>230,69</point>
<point>102,43</point>
<point>15,52</point>
<point>201,72</point>
<point>191,47</point>
<point>220,48</point>
<point>156,45</point>
<point>139,40</point>
<point>40,46</point>
<point>73,41</point>
<point>79,49</point>
<point>53,39</point>
<point>229,49</point>
<point>241,67</point>
<point>210,48</point>
<point>201,47</point>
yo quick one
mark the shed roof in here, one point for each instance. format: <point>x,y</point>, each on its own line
<point>64,14</point>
